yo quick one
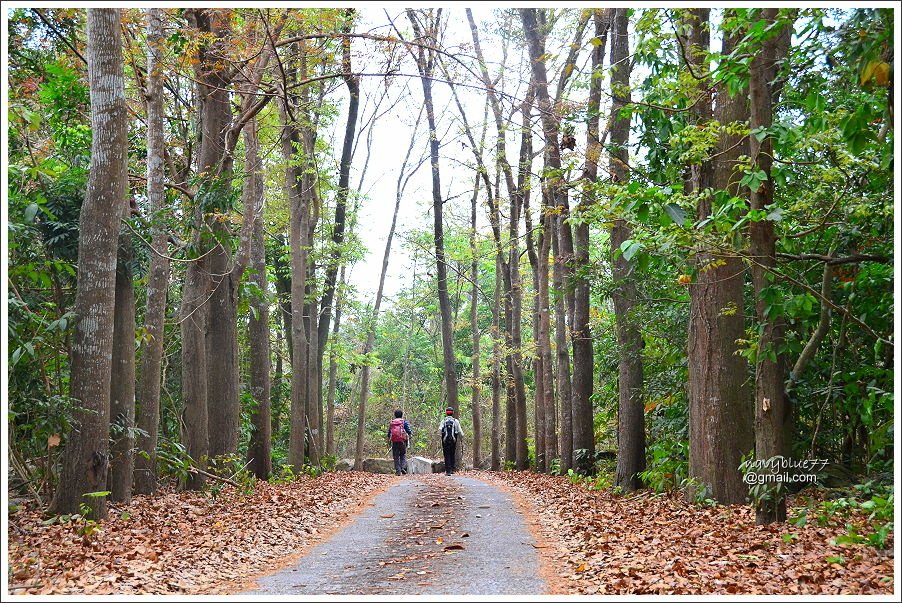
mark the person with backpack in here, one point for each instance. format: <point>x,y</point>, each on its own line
<point>399,434</point>
<point>451,433</point>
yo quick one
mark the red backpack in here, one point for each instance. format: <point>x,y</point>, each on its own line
<point>397,431</point>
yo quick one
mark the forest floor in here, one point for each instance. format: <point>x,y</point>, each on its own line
<point>601,543</point>
<point>475,533</point>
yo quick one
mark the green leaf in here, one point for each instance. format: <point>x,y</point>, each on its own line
<point>760,133</point>
<point>676,213</point>
<point>630,248</point>
<point>100,494</point>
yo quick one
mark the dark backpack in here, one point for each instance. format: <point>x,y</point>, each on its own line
<point>448,434</point>
<point>397,431</point>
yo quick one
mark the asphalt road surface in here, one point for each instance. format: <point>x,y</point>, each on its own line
<point>426,535</point>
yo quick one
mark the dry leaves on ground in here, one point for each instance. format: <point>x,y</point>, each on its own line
<point>183,542</point>
<point>646,544</point>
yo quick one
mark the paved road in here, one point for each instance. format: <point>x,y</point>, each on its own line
<point>426,535</point>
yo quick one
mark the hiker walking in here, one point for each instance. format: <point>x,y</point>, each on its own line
<point>451,434</point>
<point>399,435</point>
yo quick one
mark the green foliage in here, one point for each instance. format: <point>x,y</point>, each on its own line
<point>284,475</point>
<point>874,501</point>
<point>231,467</point>
<point>668,465</point>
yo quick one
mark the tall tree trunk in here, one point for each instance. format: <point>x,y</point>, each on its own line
<point>772,412</point>
<point>260,447</point>
<point>84,466</point>
<point>631,412</point>
<point>148,393</point>
<point>221,345</point>
<point>539,371</point>
<point>341,194</point>
<point>333,370</point>
<point>546,441</point>
<point>299,217</point>
<point>519,203</point>
<point>314,383</point>
<point>213,119</point>
<point>720,412</point>
<point>476,395</point>
<point>533,23</point>
<point>425,62</point>
<point>496,370</point>
<point>580,404</point>
<point>515,407</point>
<point>562,367</point>
<point>122,383</point>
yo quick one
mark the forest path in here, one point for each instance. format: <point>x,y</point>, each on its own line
<point>426,535</point>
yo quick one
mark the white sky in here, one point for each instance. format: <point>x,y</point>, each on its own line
<point>391,138</point>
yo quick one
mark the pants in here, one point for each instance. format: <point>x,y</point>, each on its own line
<point>399,453</point>
<point>450,450</point>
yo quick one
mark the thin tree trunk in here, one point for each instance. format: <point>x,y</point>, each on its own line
<point>314,385</point>
<point>122,383</point>
<point>84,466</point>
<point>519,203</point>
<point>333,369</point>
<point>341,197</point>
<point>562,371</point>
<point>631,412</point>
<point>425,63</point>
<point>545,406</point>
<point>533,23</point>
<point>580,404</point>
<point>476,396</point>
<point>515,416</point>
<point>260,447</point>
<point>299,216</point>
<point>772,412</point>
<point>496,369</point>
<point>539,371</point>
<point>148,393</point>
<point>720,410</point>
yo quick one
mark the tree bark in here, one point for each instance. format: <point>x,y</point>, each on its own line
<point>631,413</point>
<point>546,436</point>
<point>333,370</point>
<point>562,367</point>
<point>580,404</point>
<point>84,466</point>
<point>515,407</point>
<point>425,62</point>
<point>122,383</point>
<point>476,394</point>
<point>148,393</point>
<point>260,447</point>
<point>299,217</point>
<point>772,411</point>
<point>720,409</point>
<point>496,370</point>
<point>533,21</point>
<point>341,194</point>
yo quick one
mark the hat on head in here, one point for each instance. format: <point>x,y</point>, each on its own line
<point>449,411</point>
